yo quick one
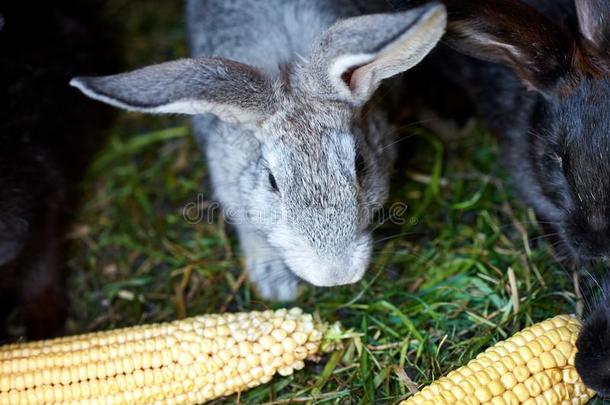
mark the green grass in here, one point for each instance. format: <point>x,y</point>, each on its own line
<point>466,268</point>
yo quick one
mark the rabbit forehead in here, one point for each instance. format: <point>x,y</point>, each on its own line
<point>299,110</point>
<point>313,159</point>
<point>309,134</point>
<point>584,116</point>
<point>311,152</point>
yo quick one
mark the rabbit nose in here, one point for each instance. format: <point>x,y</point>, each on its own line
<point>346,265</point>
<point>344,275</point>
<point>354,261</point>
<point>330,273</point>
<point>588,236</point>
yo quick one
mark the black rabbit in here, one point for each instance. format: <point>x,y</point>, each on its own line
<point>538,73</point>
<point>47,134</point>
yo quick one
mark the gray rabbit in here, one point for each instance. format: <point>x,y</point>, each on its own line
<point>297,158</point>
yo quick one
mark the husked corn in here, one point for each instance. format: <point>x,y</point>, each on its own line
<point>535,366</point>
<point>183,362</point>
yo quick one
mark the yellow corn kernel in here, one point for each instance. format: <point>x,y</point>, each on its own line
<point>183,362</point>
<point>537,368</point>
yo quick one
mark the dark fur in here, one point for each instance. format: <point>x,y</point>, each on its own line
<point>47,135</point>
<point>545,91</point>
<point>538,72</point>
<point>593,356</point>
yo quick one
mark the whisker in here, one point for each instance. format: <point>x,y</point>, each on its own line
<point>398,235</point>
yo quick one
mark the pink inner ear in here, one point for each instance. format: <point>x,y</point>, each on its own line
<point>347,77</point>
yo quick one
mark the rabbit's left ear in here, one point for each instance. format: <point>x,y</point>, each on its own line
<point>594,21</point>
<point>350,60</point>
<point>232,91</point>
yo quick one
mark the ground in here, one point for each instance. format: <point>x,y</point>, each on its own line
<point>466,267</point>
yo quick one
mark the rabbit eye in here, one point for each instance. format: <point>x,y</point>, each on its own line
<point>360,166</point>
<point>273,183</point>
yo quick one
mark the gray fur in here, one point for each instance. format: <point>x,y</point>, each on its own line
<point>231,90</point>
<point>305,124</point>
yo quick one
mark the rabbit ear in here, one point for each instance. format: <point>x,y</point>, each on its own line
<point>513,33</point>
<point>350,60</point>
<point>594,20</point>
<point>233,91</point>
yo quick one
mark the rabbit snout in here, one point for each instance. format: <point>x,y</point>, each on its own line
<point>331,266</point>
<point>588,238</point>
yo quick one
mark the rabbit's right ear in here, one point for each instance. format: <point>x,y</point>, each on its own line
<point>350,60</point>
<point>234,92</point>
<point>516,34</point>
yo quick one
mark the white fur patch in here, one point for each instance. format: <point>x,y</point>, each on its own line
<point>489,41</point>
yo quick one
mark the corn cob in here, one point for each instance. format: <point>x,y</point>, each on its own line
<point>535,366</point>
<point>183,362</point>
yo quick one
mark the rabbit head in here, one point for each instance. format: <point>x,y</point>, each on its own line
<point>321,170</point>
<point>567,137</point>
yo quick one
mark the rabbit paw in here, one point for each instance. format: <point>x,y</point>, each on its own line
<point>274,281</point>
<point>592,361</point>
